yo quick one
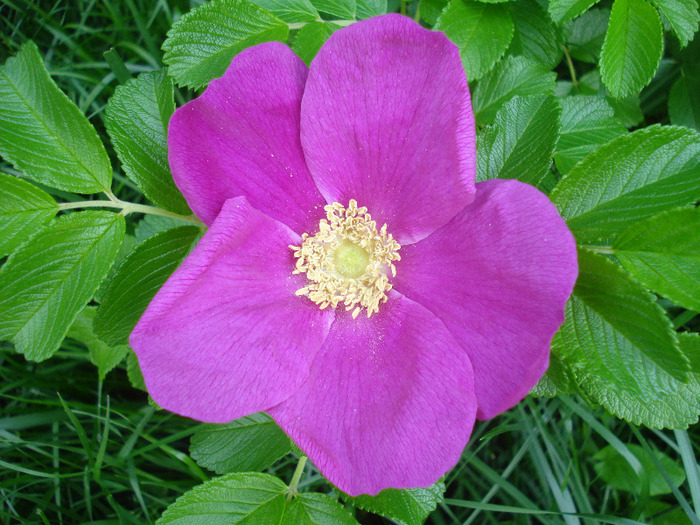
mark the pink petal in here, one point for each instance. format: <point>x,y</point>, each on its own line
<point>389,402</point>
<point>386,120</point>
<point>498,275</point>
<point>241,137</point>
<point>226,336</point>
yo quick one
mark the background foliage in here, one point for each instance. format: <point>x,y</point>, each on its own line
<point>597,104</point>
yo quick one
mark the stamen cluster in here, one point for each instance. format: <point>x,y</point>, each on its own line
<point>328,286</point>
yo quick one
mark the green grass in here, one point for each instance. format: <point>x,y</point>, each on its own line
<point>74,450</point>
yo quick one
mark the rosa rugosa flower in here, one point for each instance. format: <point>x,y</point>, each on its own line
<point>354,282</point>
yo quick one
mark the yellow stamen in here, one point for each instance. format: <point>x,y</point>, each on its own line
<point>347,261</point>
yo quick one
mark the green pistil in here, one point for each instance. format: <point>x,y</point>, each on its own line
<point>350,260</point>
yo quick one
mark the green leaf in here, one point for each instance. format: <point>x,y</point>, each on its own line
<point>513,76</point>
<point>202,43</point>
<point>133,371</point>
<point>290,11</point>
<point>128,245</point>
<point>586,34</point>
<point>618,474</point>
<point>690,346</point>
<point>316,509</point>
<point>405,506</point>
<point>43,133</point>
<point>555,381</point>
<point>152,224</point>
<point>103,356</point>
<point>481,31</point>
<point>535,35</point>
<point>631,178</point>
<point>683,17</point>
<point>620,348</point>
<point>137,280</point>
<point>663,252</point>
<point>632,48</point>
<point>244,498</point>
<point>565,10</point>
<point>236,446</point>
<point>369,8</point>
<point>627,110</point>
<point>430,10</point>
<point>311,37</point>
<point>587,122</point>
<point>343,9</point>
<point>137,121</point>
<point>684,100</point>
<point>47,282</point>
<point>24,209</point>
<point>520,143</point>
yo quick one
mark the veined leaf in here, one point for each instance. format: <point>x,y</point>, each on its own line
<point>404,506</point>
<point>236,446</point>
<point>632,48</point>
<point>481,31</point>
<point>343,9</point>
<point>253,499</point>
<point>103,356</point>
<point>249,498</point>
<point>586,34</point>
<point>621,350</point>
<point>684,100</point>
<point>663,252</point>
<point>587,122</point>
<point>24,209</point>
<point>291,11</point>
<point>565,10</point>
<point>369,8</point>
<point>202,43</point>
<point>311,37</point>
<point>683,17</point>
<point>43,133</point>
<point>627,110</point>
<point>430,10</point>
<point>513,76</point>
<point>631,178</point>
<point>520,143</point>
<point>690,346</point>
<point>535,35</point>
<point>47,282</point>
<point>152,224</point>
<point>312,508</point>
<point>138,279</point>
<point>137,121</point>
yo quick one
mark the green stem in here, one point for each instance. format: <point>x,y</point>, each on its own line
<point>127,208</point>
<point>606,250</point>
<point>298,25</point>
<point>292,491</point>
<point>572,71</point>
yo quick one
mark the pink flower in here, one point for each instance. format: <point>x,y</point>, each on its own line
<point>382,390</point>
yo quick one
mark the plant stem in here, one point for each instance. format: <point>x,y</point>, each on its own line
<point>570,63</point>
<point>298,25</point>
<point>292,491</point>
<point>127,208</point>
<point>606,250</point>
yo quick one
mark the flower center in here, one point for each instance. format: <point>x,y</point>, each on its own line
<point>350,260</point>
<point>347,261</point>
